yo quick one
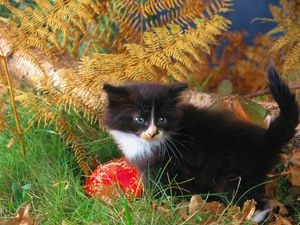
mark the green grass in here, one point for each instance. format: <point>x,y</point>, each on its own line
<point>50,180</point>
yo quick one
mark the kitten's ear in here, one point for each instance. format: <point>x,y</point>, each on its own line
<point>176,89</point>
<point>115,93</point>
<point>114,90</point>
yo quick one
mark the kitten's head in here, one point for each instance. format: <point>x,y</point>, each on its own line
<point>140,116</point>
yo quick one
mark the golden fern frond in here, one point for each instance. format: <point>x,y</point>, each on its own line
<point>65,131</point>
<point>31,57</point>
<point>278,29</point>
<point>183,47</point>
<point>288,6</point>
<point>49,21</point>
<point>276,12</point>
<point>73,26</point>
<point>80,98</point>
<point>292,58</point>
<point>167,52</point>
<point>133,19</point>
<point>279,44</point>
<point>153,7</point>
<point>46,111</point>
<point>286,45</point>
<point>194,9</point>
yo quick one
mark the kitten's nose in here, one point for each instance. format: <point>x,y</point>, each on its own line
<point>152,131</point>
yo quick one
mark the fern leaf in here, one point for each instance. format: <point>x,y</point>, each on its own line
<point>292,58</point>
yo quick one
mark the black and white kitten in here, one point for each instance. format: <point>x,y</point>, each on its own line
<point>206,151</point>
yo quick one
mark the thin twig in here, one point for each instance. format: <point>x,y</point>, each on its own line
<point>266,91</point>
<point>19,133</point>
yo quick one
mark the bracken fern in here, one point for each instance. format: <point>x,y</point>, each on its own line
<point>108,41</point>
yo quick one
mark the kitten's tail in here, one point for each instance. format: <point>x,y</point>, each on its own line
<point>282,129</point>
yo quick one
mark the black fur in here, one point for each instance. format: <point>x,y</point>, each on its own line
<point>212,149</point>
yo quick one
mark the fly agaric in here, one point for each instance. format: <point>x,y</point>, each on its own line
<point>112,178</point>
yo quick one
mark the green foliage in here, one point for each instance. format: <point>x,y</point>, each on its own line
<point>225,87</point>
<point>201,87</point>
<point>255,113</point>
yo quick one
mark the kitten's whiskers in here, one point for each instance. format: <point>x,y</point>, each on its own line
<point>175,140</point>
<point>172,144</point>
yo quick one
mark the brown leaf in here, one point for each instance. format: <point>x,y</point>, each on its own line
<point>22,217</point>
<point>271,189</point>
<point>195,204</point>
<point>213,207</point>
<point>212,212</point>
<point>234,210</point>
<point>295,175</point>
<point>238,110</point>
<point>183,210</point>
<point>284,159</point>
<point>162,209</point>
<point>280,221</point>
<point>246,214</point>
<point>295,158</point>
<point>249,111</point>
<point>198,205</point>
<point>273,203</point>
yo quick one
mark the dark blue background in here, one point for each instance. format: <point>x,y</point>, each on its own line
<point>247,10</point>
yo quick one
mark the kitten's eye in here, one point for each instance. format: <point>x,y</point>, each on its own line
<point>139,120</point>
<point>162,120</point>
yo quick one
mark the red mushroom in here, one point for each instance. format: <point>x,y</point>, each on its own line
<point>112,178</point>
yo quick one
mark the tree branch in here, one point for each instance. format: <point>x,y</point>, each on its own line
<point>266,91</point>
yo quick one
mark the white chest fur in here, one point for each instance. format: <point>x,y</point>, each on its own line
<point>132,146</point>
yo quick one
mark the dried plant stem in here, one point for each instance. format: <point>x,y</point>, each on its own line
<point>19,130</point>
<point>266,91</point>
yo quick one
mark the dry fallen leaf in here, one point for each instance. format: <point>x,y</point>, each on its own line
<point>215,212</point>
<point>295,175</point>
<point>238,111</point>
<point>273,203</point>
<point>162,209</point>
<point>183,210</point>
<point>195,204</point>
<point>271,190</point>
<point>213,207</point>
<point>294,169</point>
<point>246,213</point>
<point>284,159</point>
<point>280,221</point>
<point>295,158</point>
<point>22,217</point>
<point>249,111</point>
